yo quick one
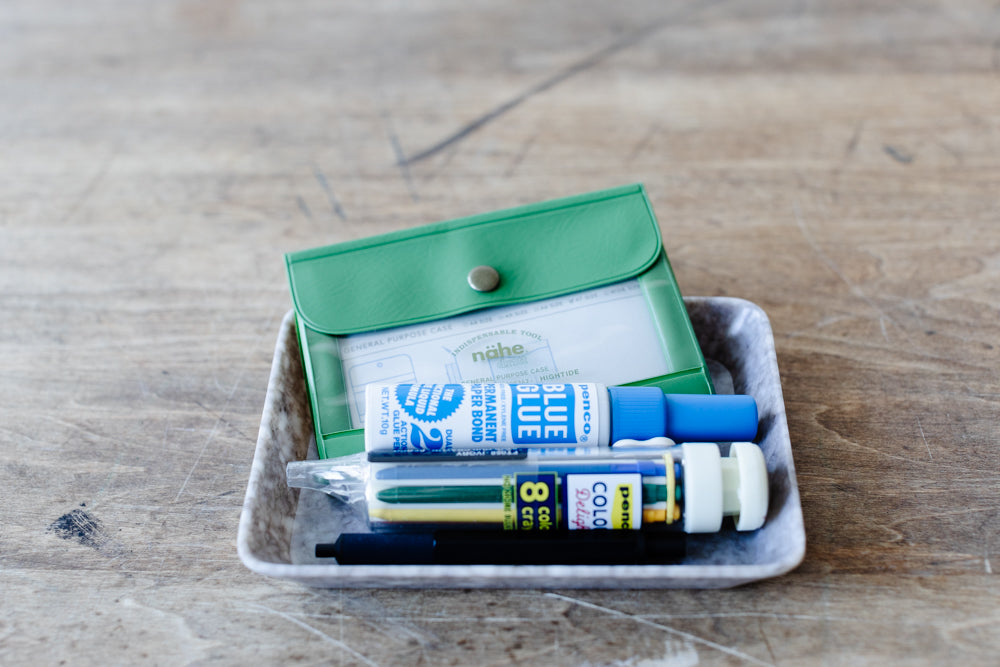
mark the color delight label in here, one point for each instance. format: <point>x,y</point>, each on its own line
<point>599,501</point>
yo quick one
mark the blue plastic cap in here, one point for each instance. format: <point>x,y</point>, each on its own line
<point>637,413</point>
<point>641,413</point>
<point>711,417</point>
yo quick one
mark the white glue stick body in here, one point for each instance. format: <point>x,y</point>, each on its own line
<point>450,418</point>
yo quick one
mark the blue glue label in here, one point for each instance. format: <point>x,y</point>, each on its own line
<point>494,419</point>
<point>543,414</point>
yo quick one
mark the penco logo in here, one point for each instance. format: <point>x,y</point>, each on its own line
<point>621,508</point>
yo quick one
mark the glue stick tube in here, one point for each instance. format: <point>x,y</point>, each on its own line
<point>687,488</point>
<point>444,418</point>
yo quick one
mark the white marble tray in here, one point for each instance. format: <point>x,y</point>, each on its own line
<point>734,334</point>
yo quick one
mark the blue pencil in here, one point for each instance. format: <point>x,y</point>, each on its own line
<point>426,472</point>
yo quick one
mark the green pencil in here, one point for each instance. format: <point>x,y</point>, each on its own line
<point>651,494</point>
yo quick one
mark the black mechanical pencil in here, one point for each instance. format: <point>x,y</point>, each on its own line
<point>467,547</point>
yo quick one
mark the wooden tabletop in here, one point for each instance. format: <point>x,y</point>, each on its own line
<point>836,163</point>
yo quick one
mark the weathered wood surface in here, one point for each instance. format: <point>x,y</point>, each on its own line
<point>836,163</point>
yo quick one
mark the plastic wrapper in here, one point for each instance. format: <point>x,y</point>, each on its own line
<point>688,488</point>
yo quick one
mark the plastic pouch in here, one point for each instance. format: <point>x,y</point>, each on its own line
<point>572,289</point>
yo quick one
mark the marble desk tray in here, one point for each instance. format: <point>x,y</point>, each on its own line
<point>736,338</point>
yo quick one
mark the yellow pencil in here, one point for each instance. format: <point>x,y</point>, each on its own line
<point>424,514</point>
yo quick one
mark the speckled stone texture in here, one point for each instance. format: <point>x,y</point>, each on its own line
<point>735,336</point>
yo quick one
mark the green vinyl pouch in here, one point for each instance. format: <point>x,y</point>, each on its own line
<point>576,289</point>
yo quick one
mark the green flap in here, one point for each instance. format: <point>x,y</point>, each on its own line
<point>542,250</point>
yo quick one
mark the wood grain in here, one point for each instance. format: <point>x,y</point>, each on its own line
<point>836,163</point>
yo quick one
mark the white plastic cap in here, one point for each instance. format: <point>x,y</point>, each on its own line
<point>715,487</point>
<point>702,487</point>
<point>744,474</point>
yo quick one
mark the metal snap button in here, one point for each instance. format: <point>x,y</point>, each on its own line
<point>484,278</point>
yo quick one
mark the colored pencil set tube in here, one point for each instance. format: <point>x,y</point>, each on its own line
<point>688,488</point>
